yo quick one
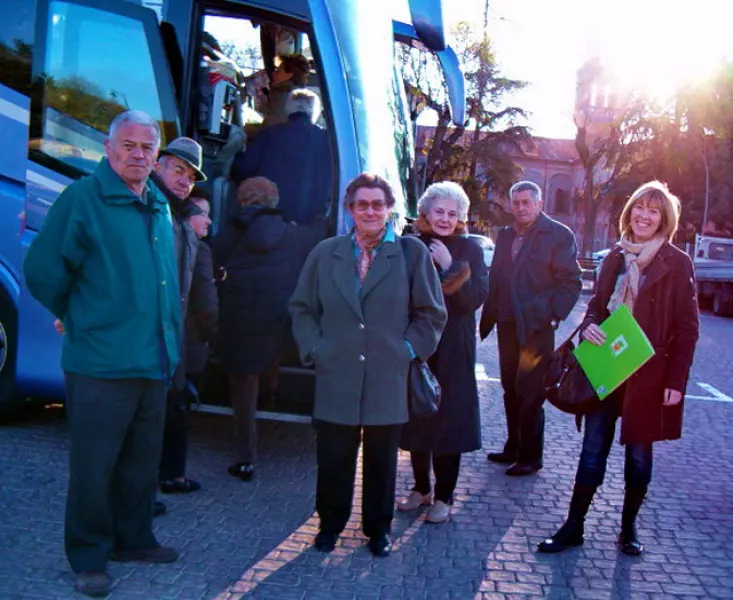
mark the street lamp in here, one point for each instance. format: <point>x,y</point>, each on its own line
<point>707,184</point>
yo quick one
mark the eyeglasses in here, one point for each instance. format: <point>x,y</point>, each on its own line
<point>364,205</point>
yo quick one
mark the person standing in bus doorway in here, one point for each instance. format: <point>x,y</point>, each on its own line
<point>258,255</point>
<point>104,264</point>
<point>366,304</point>
<point>177,171</point>
<point>535,282</point>
<point>296,156</point>
<point>291,72</point>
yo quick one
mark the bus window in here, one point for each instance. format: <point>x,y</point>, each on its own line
<point>16,45</point>
<point>96,65</point>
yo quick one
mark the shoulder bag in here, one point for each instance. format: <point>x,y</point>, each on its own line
<point>565,384</point>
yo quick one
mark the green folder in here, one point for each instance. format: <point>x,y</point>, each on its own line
<point>626,349</point>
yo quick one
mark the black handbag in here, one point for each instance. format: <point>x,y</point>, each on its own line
<point>565,384</point>
<point>423,391</point>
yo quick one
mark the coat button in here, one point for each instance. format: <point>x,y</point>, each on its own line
<point>361,325</point>
<point>162,282</point>
<point>362,358</point>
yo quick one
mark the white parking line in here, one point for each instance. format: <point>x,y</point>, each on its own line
<point>715,394</point>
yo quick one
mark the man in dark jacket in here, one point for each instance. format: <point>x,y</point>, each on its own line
<point>295,156</point>
<point>103,264</point>
<point>535,282</point>
<point>177,171</point>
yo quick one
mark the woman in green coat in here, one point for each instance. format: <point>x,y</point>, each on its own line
<point>366,304</point>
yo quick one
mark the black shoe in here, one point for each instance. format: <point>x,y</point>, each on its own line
<point>325,542</point>
<point>628,542</point>
<point>174,486</point>
<point>245,471</point>
<point>568,536</point>
<point>503,458</point>
<point>96,584</point>
<point>379,545</point>
<point>159,508</point>
<point>159,554</point>
<point>520,469</point>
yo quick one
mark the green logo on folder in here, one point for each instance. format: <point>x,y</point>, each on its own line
<point>626,349</point>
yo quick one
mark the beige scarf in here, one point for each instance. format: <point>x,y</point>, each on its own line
<point>366,250</point>
<point>637,258</point>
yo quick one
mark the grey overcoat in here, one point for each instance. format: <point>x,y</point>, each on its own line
<point>356,337</point>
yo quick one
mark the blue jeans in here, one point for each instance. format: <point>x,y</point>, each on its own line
<point>600,427</point>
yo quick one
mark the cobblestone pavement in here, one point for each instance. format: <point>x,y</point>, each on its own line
<point>253,540</point>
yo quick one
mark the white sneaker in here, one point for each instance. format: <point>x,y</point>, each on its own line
<point>438,512</point>
<point>414,500</point>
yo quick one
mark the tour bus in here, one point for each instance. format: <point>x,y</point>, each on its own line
<point>67,67</point>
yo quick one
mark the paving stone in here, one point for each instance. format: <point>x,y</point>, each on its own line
<point>255,540</point>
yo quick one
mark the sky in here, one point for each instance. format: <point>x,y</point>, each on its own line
<point>649,44</point>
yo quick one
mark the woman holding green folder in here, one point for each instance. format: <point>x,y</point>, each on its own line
<point>656,281</point>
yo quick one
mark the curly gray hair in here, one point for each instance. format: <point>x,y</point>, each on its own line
<point>448,190</point>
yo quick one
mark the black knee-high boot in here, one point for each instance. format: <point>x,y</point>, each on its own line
<point>628,541</point>
<point>572,531</point>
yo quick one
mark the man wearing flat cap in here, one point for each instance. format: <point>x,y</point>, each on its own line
<point>176,173</point>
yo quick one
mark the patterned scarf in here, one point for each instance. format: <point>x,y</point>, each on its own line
<point>637,258</point>
<point>367,246</point>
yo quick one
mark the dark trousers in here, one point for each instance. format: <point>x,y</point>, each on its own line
<point>337,451</point>
<point>175,436</point>
<point>600,428</point>
<point>115,438</point>
<point>522,369</point>
<point>243,393</point>
<point>445,467</point>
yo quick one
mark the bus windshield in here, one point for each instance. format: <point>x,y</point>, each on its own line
<point>384,137</point>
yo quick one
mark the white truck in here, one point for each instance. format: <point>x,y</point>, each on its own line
<point>713,260</point>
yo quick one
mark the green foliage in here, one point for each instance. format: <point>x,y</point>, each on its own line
<point>474,154</point>
<point>683,143</point>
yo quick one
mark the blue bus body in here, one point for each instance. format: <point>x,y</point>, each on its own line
<point>56,56</point>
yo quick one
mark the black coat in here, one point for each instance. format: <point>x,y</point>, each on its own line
<point>545,280</point>
<point>457,426</point>
<point>202,319</point>
<point>262,256</point>
<point>296,156</point>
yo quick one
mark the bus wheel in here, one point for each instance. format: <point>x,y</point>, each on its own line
<point>9,403</point>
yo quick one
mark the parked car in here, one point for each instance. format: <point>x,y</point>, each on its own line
<point>487,245</point>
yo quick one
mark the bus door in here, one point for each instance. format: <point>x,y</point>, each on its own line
<point>238,116</point>
<point>92,60</point>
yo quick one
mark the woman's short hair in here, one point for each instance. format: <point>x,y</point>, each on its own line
<point>653,192</point>
<point>297,65</point>
<point>372,181</point>
<point>258,190</point>
<point>447,190</point>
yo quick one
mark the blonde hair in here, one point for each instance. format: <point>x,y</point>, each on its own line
<point>653,191</point>
<point>258,190</point>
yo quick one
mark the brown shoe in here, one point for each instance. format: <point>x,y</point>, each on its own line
<point>414,500</point>
<point>96,584</point>
<point>159,554</point>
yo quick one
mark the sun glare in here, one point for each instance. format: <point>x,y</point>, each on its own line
<point>655,47</point>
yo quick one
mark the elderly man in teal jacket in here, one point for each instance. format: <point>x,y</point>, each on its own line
<point>104,265</point>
